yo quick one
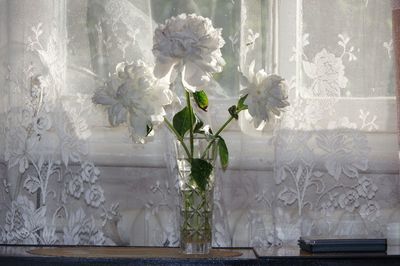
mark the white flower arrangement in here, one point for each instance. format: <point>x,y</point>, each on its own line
<point>187,50</point>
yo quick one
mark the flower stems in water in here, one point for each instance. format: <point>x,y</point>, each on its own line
<point>189,105</point>
<point>179,138</point>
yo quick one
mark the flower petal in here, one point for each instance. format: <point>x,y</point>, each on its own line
<point>194,77</point>
<point>163,67</point>
<point>117,114</point>
<point>138,122</point>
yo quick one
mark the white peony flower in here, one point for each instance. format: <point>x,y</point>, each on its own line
<point>139,100</point>
<point>267,95</point>
<point>191,45</point>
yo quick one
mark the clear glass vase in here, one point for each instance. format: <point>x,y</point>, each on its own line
<point>195,204</point>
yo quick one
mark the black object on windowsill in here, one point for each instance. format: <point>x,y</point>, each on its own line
<point>320,245</point>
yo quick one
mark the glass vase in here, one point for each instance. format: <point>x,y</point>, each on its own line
<point>195,204</point>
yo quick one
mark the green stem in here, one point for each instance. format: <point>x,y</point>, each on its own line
<point>216,135</point>
<point>178,137</point>
<point>224,126</point>
<point>190,122</point>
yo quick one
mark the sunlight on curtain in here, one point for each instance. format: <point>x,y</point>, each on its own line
<point>336,160</point>
<point>328,167</point>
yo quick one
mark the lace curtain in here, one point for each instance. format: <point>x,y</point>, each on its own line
<point>329,166</point>
<point>336,160</point>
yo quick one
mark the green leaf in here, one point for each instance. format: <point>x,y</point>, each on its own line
<point>241,106</point>
<point>223,153</point>
<point>201,170</point>
<point>201,99</point>
<point>232,111</point>
<point>181,121</point>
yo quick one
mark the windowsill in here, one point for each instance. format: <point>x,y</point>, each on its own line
<point>18,255</point>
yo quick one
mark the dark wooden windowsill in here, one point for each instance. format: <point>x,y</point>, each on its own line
<point>33,255</point>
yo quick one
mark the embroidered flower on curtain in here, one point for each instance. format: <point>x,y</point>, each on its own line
<point>294,150</point>
<point>349,200</point>
<point>366,188</point>
<point>303,115</point>
<point>89,172</point>
<point>94,196</point>
<point>19,148</point>
<point>23,222</point>
<point>81,230</point>
<point>75,187</point>
<point>328,207</point>
<point>327,72</point>
<point>190,43</point>
<point>346,151</point>
<point>73,149</point>
<point>75,125</point>
<point>370,211</point>
<point>42,123</point>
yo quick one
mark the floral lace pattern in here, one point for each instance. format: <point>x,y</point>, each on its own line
<point>32,128</point>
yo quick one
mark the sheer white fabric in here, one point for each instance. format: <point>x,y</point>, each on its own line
<point>328,167</point>
<point>338,144</point>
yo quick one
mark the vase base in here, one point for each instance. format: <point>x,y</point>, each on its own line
<point>196,248</point>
